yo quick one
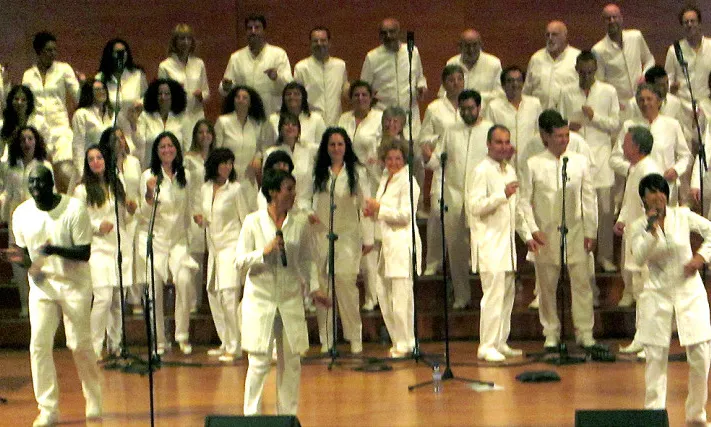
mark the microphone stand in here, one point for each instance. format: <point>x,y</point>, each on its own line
<point>563,357</point>
<point>332,237</point>
<point>152,364</point>
<point>701,154</point>
<point>153,349</point>
<point>447,373</point>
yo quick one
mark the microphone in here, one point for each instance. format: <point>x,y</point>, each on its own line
<point>410,41</point>
<point>282,250</point>
<point>679,54</point>
<point>443,159</point>
<point>651,220</point>
<point>120,60</point>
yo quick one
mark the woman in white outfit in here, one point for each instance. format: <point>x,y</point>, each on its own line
<point>163,107</point>
<point>272,306</point>
<point>295,101</point>
<point>222,212</point>
<point>203,142</point>
<point>26,150</point>
<point>132,80</point>
<point>392,210</point>
<point>51,81</point>
<point>94,115</point>
<point>339,175</point>
<point>168,181</point>
<point>673,291</point>
<point>188,70</point>
<point>364,126</point>
<point>113,142</point>
<point>97,192</point>
<point>19,111</point>
<point>239,128</point>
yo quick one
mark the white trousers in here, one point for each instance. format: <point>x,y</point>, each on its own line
<point>348,310</point>
<point>198,280</point>
<point>19,276</point>
<point>175,263</point>
<point>496,306</point>
<point>655,379</point>
<point>606,220</point>
<point>369,264</point>
<point>74,305</point>
<point>287,378</point>
<point>226,311</point>
<point>398,310</point>
<point>106,318</point>
<point>581,295</point>
<point>433,260</point>
<point>458,252</point>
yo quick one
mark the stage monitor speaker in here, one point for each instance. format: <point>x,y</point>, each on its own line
<point>622,417</point>
<point>252,421</point>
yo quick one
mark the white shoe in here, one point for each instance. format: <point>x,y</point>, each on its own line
<point>461,305</point>
<point>586,341</point>
<point>93,410</point>
<point>551,342</point>
<point>161,349</point>
<point>356,347</point>
<point>491,355</point>
<point>227,358</point>
<point>185,347</point>
<point>324,348</point>
<point>634,347</point>
<point>46,419</point>
<point>642,355</point>
<point>510,352</point>
<point>626,301</point>
<point>214,352</point>
<point>607,265</point>
<point>534,304</point>
<point>368,306</point>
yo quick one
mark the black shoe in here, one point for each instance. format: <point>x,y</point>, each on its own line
<point>599,353</point>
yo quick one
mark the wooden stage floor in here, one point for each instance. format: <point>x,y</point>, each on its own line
<point>344,397</point>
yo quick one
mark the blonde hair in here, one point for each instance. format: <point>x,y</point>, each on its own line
<point>178,31</point>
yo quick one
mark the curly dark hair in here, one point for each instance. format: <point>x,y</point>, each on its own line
<point>323,161</point>
<point>216,157</point>
<point>178,97</point>
<point>256,106</point>
<point>95,194</point>
<point>10,118</point>
<point>177,164</point>
<point>15,154</point>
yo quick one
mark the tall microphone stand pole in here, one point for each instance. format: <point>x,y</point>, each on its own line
<point>332,237</point>
<point>153,349</point>
<point>703,166</point>
<point>447,373</point>
<point>563,357</point>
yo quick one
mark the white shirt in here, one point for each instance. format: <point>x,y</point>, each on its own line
<point>494,217</point>
<point>623,67</point>
<point>699,69</point>
<point>353,229</point>
<point>133,86</point>
<point>243,140</point>
<point>546,76</point>
<point>632,206</point>
<point>192,76</point>
<point>440,115</point>
<point>387,73</point>
<point>465,146</point>
<point>484,77</point>
<point>365,137</point>
<point>149,126</point>
<point>88,124</point>
<point>15,189</point>
<point>541,203</point>
<point>669,149</point>
<point>576,144</point>
<point>303,157</point>
<point>599,131</point>
<point>51,92</point>
<point>325,82</point>
<point>522,122</point>
<point>394,221</point>
<point>248,70</point>
<point>66,225</point>
<point>312,129</point>
<point>671,107</point>
<point>104,246</point>
<point>223,210</point>
<point>271,287</point>
<point>194,163</point>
